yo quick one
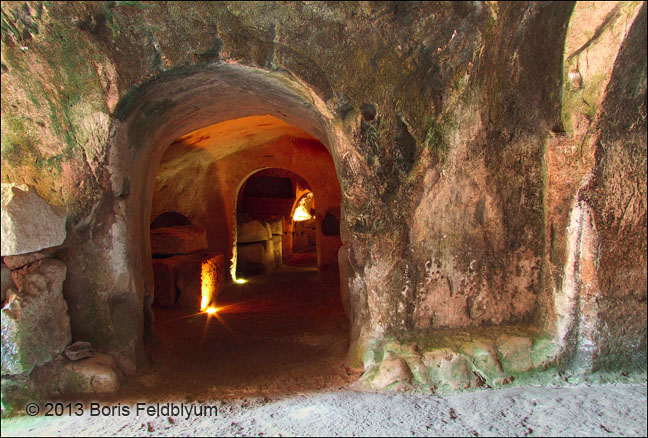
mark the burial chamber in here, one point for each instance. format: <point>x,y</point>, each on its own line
<point>488,229</point>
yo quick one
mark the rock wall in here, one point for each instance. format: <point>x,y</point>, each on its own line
<point>458,138</point>
<point>574,304</point>
<point>614,280</point>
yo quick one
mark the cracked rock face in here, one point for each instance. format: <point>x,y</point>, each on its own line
<point>29,223</point>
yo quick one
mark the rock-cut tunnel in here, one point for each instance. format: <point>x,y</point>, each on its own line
<point>244,232</point>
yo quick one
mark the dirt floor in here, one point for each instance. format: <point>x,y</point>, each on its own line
<point>271,362</point>
<point>279,333</point>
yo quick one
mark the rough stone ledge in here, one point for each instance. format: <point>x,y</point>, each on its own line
<point>18,261</point>
<point>448,361</point>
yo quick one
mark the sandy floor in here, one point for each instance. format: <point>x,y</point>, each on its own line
<point>599,410</point>
<point>272,363</point>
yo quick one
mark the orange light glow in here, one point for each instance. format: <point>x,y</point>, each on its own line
<point>208,284</point>
<point>301,215</point>
<point>211,310</point>
<point>302,212</point>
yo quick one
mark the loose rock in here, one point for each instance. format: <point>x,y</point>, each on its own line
<point>78,350</point>
<point>95,375</point>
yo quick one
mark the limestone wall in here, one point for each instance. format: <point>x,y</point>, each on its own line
<point>458,132</point>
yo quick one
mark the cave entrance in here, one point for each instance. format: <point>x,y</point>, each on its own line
<point>247,294</point>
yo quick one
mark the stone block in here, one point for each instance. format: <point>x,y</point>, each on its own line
<point>35,324</point>
<point>276,226</point>
<point>448,370</point>
<point>178,240</point>
<point>311,236</point>
<point>288,225</point>
<point>544,353</point>
<point>300,236</point>
<point>484,357</point>
<point>287,245</point>
<point>250,258</point>
<point>420,374</point>
<point>268,229</point>
<point>196,273</point>
<point>94,375</point>
<point>253,231</point>
<point>269,256</point>
<point>29,223</point>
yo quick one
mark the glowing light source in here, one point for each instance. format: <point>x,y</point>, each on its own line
<point>208,284</point>
<point>240,281</point>
<point>302,212</point>
<point>301,215</point>
<point>211,310</point>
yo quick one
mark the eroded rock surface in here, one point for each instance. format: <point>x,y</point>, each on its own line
<point>7,282</point>
<point>35,325</point>
<point>464,138</point>
<point>29,223</point>
<point>93,375</point>
<point>18,261</point>
<point>457,360</point>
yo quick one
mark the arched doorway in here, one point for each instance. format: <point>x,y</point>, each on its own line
<point>117,260</point>
<point>265,201</point>
<point>198,174</point>
<point>284,202</point>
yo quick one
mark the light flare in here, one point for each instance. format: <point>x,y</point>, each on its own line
<point>208,284</point>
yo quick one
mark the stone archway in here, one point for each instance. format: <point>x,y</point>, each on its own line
<point>316,178</point>
<point>150,119</point>
<point>329,196</point>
